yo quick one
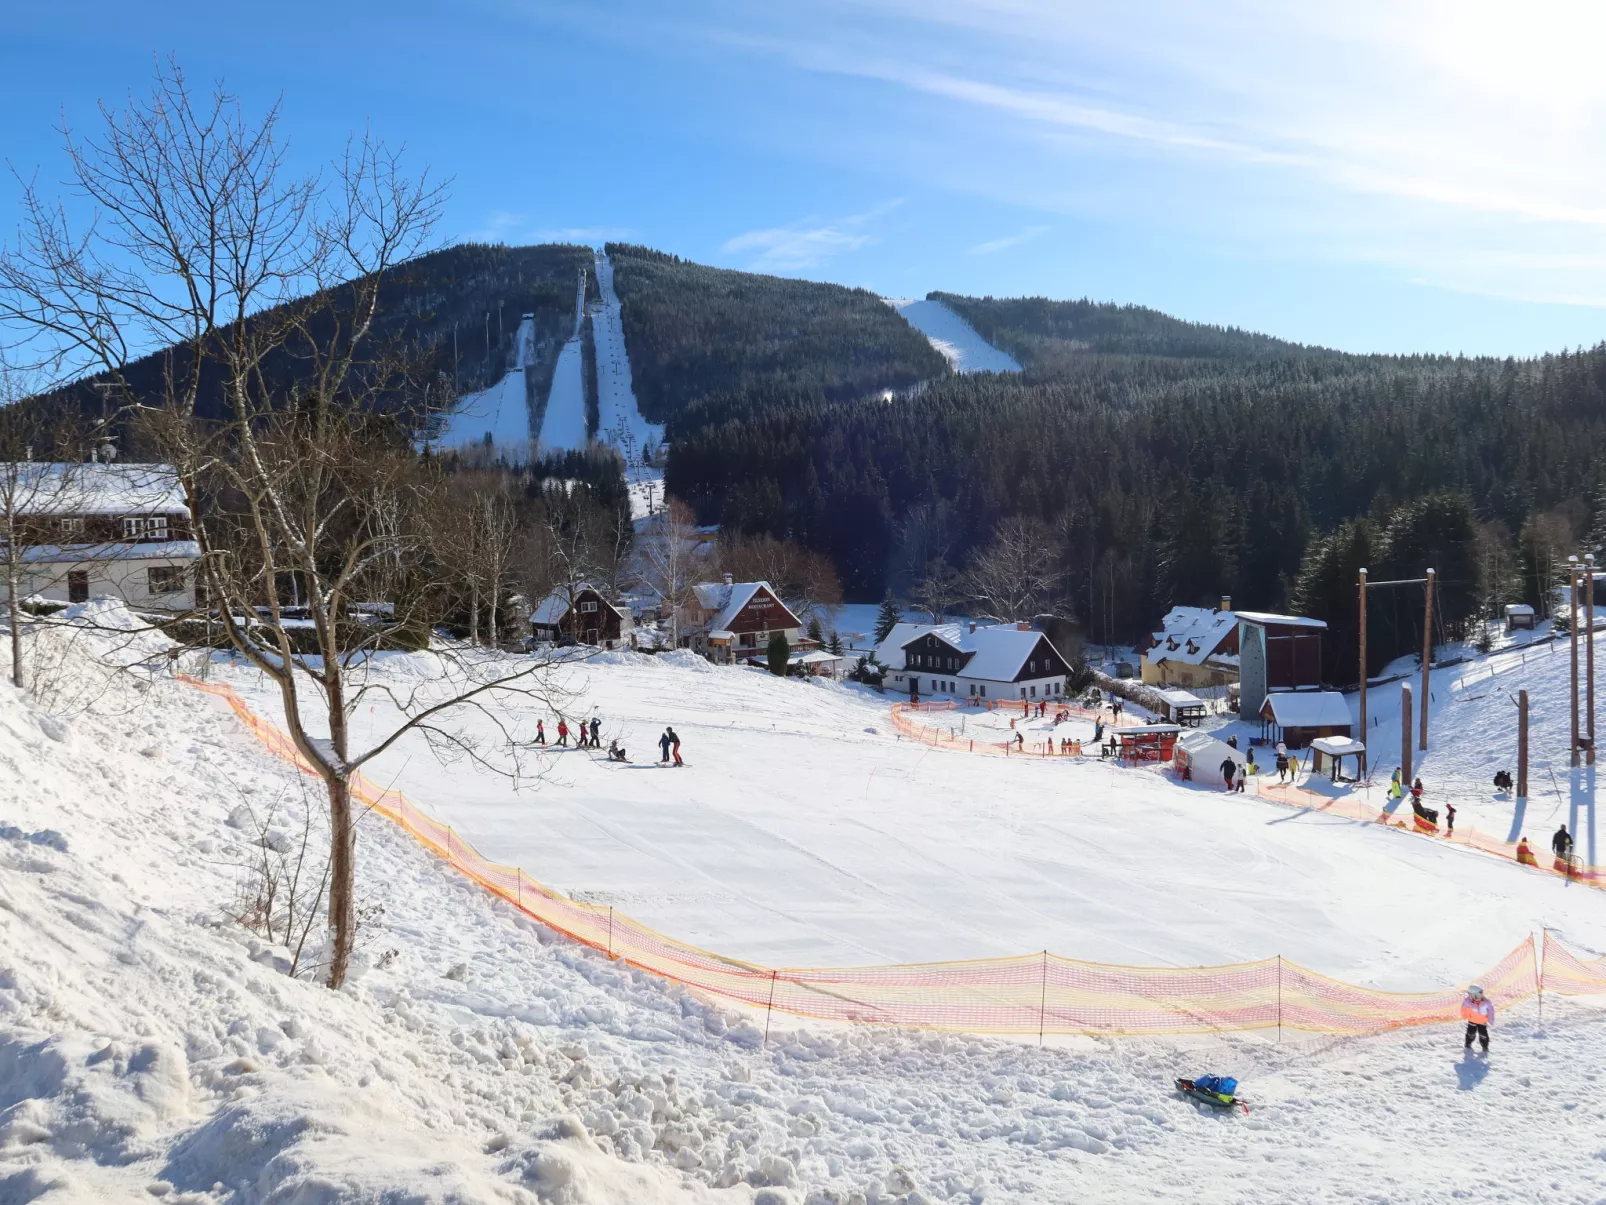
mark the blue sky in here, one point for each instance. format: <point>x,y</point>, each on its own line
<point>1414,175</point>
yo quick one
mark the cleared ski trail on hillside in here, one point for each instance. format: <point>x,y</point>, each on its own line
<point>956,339</point>
<point>499,411</point>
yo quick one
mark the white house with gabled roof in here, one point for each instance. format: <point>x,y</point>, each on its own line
<point>103,530</point>
<point>972,661</point>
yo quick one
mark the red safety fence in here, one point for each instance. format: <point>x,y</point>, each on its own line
<point>1030,994</point>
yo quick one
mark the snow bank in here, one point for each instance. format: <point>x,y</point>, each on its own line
<point>149,1050</point>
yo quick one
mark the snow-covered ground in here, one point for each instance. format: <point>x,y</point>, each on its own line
<point>499,411</point>
<point>619,419</point>
<point>149,1049</point>
<point>805,832</point>
<point>951,335</point>
<point>563,426</point>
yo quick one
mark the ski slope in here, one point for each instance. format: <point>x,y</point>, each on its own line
<point>804,832</point>
<point>563,423</point>
<point>499,412</point>
<point>956,339</point>
<point>620,421</point>
<point>151,1049</point>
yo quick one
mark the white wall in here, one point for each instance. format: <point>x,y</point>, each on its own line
<point>126,579</point>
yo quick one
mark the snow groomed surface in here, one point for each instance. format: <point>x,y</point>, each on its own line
<point>500,412</point>
<point>563,425</point>
<point>1041,993</point>
<point>951,335</point>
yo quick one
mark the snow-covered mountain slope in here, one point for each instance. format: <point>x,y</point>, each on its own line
<point>620,419</point>
<point>563,422</point>
<point>955,338</point>
<point>499,411</point>
<point>804,832</point>
<point>149,1050</point>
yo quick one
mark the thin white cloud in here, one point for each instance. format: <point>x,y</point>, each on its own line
<point>808,243</point>
<point>1009,240</point>
<point>505,227</point>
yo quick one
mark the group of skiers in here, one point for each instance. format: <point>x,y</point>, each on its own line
<point>1235,774</point>
<point>589,736</point>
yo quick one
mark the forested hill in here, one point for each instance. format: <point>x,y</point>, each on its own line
<point>704,342</point>
<point>452,313</point>
<point>1043,334</point>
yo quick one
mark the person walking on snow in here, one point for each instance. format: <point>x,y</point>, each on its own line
<point>663,745</point>
<point>1242,778</point>
<point>674,746</point>
<point>580,741</point>
<point>1282,763</point>
<point>1477,1010</point>
<point>1396,788</point>
<point>563,732</point>
<point>596,731</point>
<point>1449,820</point>
<point>540,732</point>
<point>1229,769</point>
<point>1562,844</point>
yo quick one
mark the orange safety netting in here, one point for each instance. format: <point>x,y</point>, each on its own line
<point>1032,994</point>
<point>905,718</point>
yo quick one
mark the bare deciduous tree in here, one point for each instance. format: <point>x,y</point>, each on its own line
<point>805,580</point>
<point>669,550</point>
<point>203,241</point>
<point>1015,577</point>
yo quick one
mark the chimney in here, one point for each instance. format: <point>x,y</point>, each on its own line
<point>972,627</point>
<point>729,581</point>
<point>1023,626</point>
<point>1226,603</point>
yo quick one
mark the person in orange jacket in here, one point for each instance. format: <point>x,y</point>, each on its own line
<point>1525,853</point>
<point>1477,1010</point>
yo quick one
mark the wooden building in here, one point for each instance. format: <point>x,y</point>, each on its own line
<point>731,621</point>
<point>1276,652</point>
<point>1297,717</point>
<point>1195,646</point>
<point>582,614</point>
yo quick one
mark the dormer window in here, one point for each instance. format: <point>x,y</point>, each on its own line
<point>72,525</point>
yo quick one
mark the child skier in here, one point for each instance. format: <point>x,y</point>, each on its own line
<point>563,732</point>
<point>1477,1010</point>
<point>663,747</point>
<point>540,732</point>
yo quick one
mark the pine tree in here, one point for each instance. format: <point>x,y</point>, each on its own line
<point>836,644</point>
<point>887,618</point>
<point>815,634</point>
<point>778,653</point>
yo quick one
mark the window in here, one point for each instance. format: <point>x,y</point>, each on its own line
<point>77,585</point>
<point>588,606</point>
<point>152,527</point>
<point>165,579</point>
<point>983,692</point>
<point>1034,692</point>
<point>72,525</point>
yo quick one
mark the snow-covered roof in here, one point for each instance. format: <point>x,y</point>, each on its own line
<point>998,651</point>
<point>47,488</point>
<point>549,612</point>
<point>1307,709</point>
<point>1519,609</point>
<point>1181,698</point>
<point>1199,743</point>
<point>150,550</point>
<point>1190,634</point>
<point>1338,746</point>
<point>729,599</point>
<point>1295,621</point>
<point>1144,730</point>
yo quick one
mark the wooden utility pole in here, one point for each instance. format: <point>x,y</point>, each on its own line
<point>1589,657</point>
<point>1522,744</point>
<point>1572,642</point>
<point>1427,654</point>
<point>1361,631</point>
<point>1405,734</point>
